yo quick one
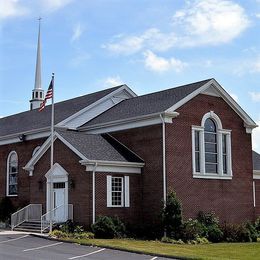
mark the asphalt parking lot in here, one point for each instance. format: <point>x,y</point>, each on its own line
<point>25,246</point>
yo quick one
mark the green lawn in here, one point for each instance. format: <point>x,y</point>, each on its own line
<point>206,251</point>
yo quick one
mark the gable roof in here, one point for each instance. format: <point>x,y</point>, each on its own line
<point>165,102</point>
<point>152,103</point>
<point>98,147</point>
<point>33,119</point>
<point>256,161</point>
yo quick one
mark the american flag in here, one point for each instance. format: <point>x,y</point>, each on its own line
<point>47,96</point>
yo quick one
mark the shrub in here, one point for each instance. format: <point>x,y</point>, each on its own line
<point>108,227</point>
<point>172,216</point>
<point>257,226</point>
<point>214,234</point>
<point>172,241</point>
<point>208,219</point>
<point>67,227</point>
<point>192,229</point>
<point>240,233</point>
<point>78,229</point>
<point>202,240</point>
<point>120,229</point>
<point>6,209</point>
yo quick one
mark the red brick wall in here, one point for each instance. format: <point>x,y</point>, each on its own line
<point>257,198</point>
<point>147,143</point>
<point>79,196</point>
<point>24,151</point>
<point>232,199</point>
<point>130,214</point>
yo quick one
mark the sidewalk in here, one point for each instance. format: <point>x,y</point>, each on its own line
<point>10,232</point>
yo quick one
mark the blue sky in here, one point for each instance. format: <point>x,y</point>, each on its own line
<point>147,44</point>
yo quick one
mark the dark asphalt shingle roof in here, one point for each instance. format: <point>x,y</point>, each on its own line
<point>97,147</point>
<point>147,104</point>
<point>256,161</point>
<point>32,120</point>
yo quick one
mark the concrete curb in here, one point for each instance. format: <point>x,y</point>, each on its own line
<point>113,247</point>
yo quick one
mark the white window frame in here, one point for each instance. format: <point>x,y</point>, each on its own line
<point>125,199</point>
<point>220,132</point>
<point>8,173</point>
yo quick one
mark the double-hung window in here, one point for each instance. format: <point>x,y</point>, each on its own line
<point>118,191</point>
<point>211,149</point>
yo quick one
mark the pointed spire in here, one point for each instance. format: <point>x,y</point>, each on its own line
<point>38,92</point>
<point>38,80</point>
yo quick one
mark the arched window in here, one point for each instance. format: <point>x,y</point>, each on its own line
<point>12,174</point>
<point>211,149</point>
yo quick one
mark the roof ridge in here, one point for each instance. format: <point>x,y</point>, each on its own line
<point>172,88</point>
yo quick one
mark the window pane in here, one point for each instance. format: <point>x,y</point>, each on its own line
<point>12,174</point>
<point>225,164</point>
<point>211,168</point>
<point>210,125</point>
<point>197,140</point>
<point>197,161</point>
<point>211,147</point>
<point>211,157</point>
<point>210,137</point>
<point>224,143</point>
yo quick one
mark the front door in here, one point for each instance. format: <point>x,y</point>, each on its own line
<point>60,212</point>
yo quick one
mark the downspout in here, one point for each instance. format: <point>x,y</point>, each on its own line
<point>94,194</point>
<point>254,194</point>
<point>164,161</point>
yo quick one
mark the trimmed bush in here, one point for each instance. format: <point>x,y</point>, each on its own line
<point>108,227</point>
<point>172,216</point>
<point>83,235</point>
<point>59,234</point>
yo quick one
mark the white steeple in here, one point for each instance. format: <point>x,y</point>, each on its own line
<point>38,92</point>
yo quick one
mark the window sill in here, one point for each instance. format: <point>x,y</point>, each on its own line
<point>116,206</point>
<point>210,176</point>
<point>11,195</point>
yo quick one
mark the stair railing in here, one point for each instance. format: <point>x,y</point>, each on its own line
<point>31,212</point>
<point>59,214</point>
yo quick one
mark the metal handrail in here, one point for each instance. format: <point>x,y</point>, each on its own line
<point>45,222</point>
<point>26,214</point>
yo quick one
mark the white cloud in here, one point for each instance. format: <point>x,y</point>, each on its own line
<point>211,21</point>
<point>77,32</point>
<point>258,15</point>
<point>235,97</point>
<point>255,96</point>
<point>160,64</point>
<point>112,82</point>
<point>15,8</point>
<point>256,138</point>
<point>255,67</point>
<point>11,8</point>
<point>52,5</point>
<point>203,22</point>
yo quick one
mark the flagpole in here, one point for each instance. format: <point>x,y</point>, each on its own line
<point>52,149</point>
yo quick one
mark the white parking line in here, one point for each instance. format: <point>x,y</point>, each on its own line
<point>154,258</point>
<point>13,239</point>
<point>75,257</point>
<point>40,247</point>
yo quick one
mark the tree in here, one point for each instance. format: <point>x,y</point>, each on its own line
<point>172,216</point>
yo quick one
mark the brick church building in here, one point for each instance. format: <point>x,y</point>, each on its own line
<point>116,153</point>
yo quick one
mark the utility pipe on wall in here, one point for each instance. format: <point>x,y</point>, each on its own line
<point>164,160</point>
<point>94,194</point>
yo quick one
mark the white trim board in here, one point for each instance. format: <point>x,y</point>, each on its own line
<point>256,174</point>
<point>95,109</point>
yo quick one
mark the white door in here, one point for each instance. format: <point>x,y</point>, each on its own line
<point>60,214</point>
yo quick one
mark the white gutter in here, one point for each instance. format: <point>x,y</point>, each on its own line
<point>254,194</point>
<point>94,194</point>
<point>164,161</point>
